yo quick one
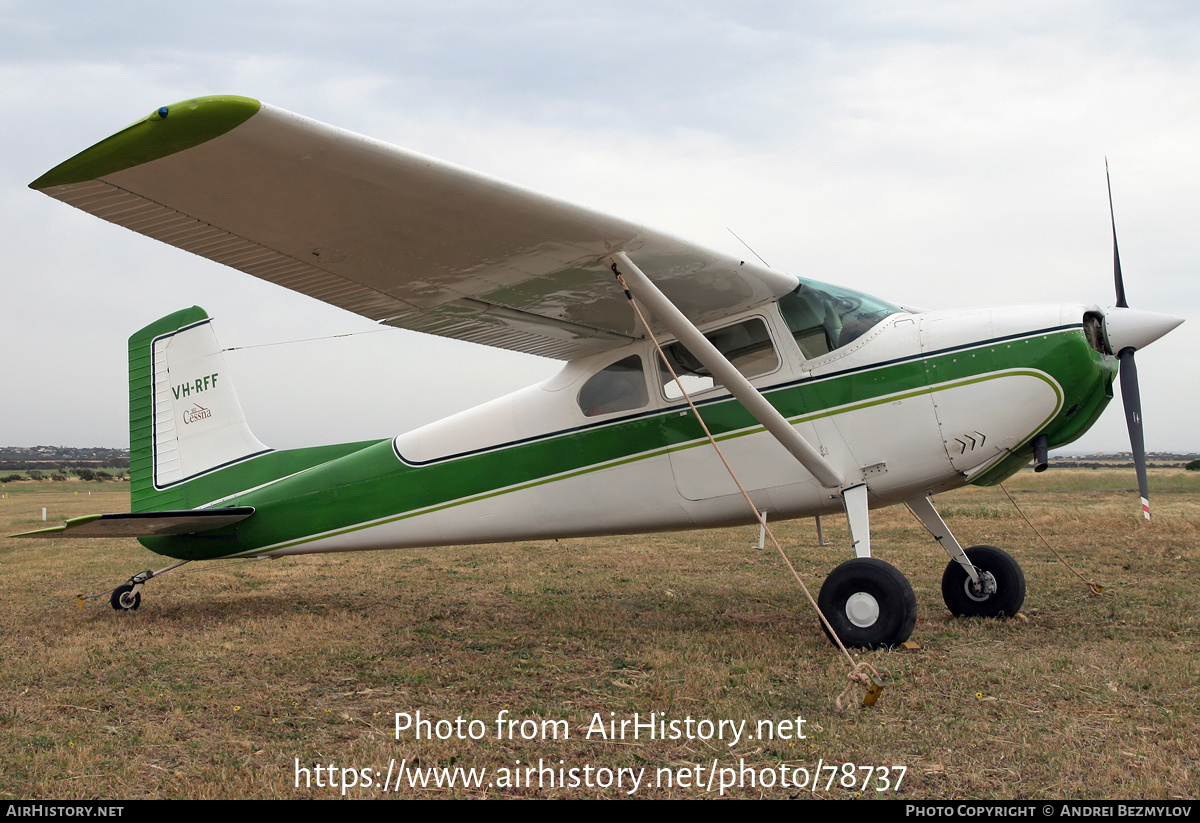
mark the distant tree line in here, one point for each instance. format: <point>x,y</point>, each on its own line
<point>60,452</point>
<point>64,473</point>
<point>1059,463</point>
<point>63,465</point>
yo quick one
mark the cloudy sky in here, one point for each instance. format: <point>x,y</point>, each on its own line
<point>937,154</point>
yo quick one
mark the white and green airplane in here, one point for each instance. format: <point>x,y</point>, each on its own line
<point>823,399</point>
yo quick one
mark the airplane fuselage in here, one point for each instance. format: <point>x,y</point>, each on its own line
<point>917,404</point>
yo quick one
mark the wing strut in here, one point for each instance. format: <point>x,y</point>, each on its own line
<point>854,497</point>
<point>724,371</point>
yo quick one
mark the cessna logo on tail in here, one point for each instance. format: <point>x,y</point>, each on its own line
<point>196,386</point>
<point>196,412</point>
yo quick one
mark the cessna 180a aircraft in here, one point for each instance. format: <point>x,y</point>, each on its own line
<point>823,399</point>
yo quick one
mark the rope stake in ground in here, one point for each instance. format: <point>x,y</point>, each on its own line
<point>861,675</point>
<point>858,671</point>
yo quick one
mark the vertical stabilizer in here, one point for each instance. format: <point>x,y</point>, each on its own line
<point>185,420</point>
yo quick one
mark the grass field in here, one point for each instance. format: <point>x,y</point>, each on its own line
<point>235,677</point>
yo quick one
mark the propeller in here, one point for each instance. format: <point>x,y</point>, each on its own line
<point>1126,330</point>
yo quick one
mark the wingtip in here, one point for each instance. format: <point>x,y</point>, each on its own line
<point>165,131</point>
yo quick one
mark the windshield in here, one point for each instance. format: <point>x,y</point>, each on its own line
<point>823,317</point>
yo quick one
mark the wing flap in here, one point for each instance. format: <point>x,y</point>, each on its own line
<point>145,524</point>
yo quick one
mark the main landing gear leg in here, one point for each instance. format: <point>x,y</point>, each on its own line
<point>981,581</point>
<point>128,597</point>
<point>868,602</point>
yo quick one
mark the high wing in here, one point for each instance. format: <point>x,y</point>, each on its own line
<point>390,234</point>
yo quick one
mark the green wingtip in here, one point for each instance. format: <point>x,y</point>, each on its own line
<point>166,131</point>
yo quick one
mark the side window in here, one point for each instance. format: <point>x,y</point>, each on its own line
<point>746,345</point>
<point>806,320</point>
<point>620,386</point>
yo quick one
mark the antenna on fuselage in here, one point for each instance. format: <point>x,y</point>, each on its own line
<point>747,245</point>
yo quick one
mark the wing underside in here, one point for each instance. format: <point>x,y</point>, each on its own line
<point>390,234</point>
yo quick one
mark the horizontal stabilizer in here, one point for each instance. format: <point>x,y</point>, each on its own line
<point>145,524</point>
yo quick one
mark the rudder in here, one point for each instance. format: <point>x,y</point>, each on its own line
<point>185,419</point>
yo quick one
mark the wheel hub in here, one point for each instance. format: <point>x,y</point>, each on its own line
<point>862,609</point>
<point>985,588</point>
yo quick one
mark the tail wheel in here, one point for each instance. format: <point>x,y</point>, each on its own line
<point>999,593</point>
<point>869,603</point>
<point>124,598</point>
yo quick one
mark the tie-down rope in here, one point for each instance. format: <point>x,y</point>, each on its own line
<point>862,673</point>
<point>1094,587</point>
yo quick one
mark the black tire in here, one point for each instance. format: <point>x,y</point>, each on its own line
<point>125,599</point>
<point>869,603</point>
<point>965,600</point>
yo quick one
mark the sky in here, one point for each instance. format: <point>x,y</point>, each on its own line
<point>935,154</point>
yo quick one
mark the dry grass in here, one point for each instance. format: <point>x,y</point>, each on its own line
<point>230,672</point>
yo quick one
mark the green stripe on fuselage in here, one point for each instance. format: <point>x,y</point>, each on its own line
<point>371,486</point>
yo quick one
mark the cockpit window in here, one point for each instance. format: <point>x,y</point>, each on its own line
<point>823,318</point>
<point>620,386</point>
<point>747,346</point>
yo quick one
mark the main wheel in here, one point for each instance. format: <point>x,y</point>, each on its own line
<point>1001,588</point>
<point>869,603</point>
<point>124,598</point>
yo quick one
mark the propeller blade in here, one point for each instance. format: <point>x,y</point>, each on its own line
<point>1131,397</point>
<point>1120,281</point>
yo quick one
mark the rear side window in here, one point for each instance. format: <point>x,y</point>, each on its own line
<point>620,386</point>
